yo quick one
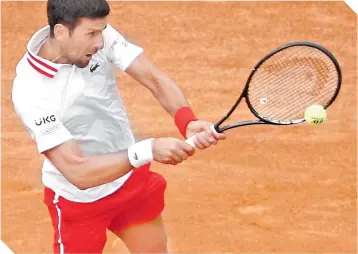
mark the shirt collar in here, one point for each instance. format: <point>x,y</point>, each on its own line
<point>43,66</point>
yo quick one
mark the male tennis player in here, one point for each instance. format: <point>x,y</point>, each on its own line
<point>96,175</point>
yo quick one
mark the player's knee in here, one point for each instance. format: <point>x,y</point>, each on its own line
<point>159,245</point>
<point>153,244</point>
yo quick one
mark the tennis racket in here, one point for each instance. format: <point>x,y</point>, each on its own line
<point>284,83</point>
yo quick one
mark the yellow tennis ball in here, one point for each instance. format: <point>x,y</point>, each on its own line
<point>315,114</point>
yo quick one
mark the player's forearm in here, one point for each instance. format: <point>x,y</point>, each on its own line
<point>168,94</point>
<point>164,89</point>
<point>88,172</point>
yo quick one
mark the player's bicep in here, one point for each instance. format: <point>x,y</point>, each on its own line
<point>145,72</point>
<point>67,158</point>
<point>51,137</point>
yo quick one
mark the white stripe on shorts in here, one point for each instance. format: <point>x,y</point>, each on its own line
<point>55,201</point>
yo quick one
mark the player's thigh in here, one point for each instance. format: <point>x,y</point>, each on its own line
<point>140,225</point>
<point>149,237</point>
<point>145,206</point>
<point>77,230</point>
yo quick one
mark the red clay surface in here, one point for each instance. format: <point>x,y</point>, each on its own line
<point>266,189</point>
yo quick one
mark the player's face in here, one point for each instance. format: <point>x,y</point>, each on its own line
<point>85,40</point>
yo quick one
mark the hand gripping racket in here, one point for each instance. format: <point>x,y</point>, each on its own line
<point>284,83</point>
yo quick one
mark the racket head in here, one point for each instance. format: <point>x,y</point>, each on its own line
<point>289,79</point>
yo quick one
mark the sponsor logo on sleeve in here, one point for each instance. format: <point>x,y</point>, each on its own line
<point>50,130</point>
<point>120,40</point>
<point>45,120</point>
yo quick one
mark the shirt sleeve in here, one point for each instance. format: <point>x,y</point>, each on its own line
<point>118,50</point>
<point>43,125</point>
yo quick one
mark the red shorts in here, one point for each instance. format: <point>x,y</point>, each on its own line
<point>81,227</point>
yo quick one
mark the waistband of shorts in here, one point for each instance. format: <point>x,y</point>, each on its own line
<point>50,196</point>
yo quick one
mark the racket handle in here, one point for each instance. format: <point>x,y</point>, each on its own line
<point>190,140</point>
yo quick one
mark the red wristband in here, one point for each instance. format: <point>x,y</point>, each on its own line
<point>182,118</point>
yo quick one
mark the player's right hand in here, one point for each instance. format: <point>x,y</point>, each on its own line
<point>171,150</point>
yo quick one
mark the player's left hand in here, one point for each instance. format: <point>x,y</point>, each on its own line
<point>205,136</point>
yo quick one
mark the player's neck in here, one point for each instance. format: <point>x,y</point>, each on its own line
<point>51,50</point>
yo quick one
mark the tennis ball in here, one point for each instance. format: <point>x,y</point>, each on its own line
<point>315,114</point>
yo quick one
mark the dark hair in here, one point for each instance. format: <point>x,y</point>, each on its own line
<point>68,12</point>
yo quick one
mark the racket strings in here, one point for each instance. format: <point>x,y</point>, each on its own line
<point>307,62</point>
<point>269,81</point>
<point>291,80</point>
<point>299,110</point>
<point>292,101</point>
<point>282,94</point>
<point>300,62</point>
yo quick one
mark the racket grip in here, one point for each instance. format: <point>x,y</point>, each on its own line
<point>190,140</point>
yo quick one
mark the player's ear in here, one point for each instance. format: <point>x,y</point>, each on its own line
<point>61,32</point>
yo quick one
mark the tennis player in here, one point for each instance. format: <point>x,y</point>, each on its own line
<point>96,174</point>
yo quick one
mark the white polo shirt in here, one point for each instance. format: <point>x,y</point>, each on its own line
<point>59,102</point>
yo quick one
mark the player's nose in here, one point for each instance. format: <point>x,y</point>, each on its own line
<point>99,43</point>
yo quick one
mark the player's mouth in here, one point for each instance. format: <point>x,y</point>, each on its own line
<point>89,56</point>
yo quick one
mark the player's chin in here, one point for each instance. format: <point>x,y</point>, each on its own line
<point>83,63</point>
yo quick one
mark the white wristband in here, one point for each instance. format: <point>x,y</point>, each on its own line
<point>141,153</point>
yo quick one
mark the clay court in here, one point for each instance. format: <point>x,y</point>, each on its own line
<point>266,188</point>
